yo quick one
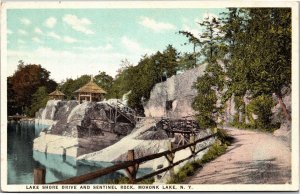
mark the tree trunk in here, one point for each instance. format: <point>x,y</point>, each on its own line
<point>286,113</point>
<point>195,55</point>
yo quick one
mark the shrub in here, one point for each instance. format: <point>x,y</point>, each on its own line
<point>261,106</point>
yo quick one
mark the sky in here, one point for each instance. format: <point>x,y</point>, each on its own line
<point>73,42</point>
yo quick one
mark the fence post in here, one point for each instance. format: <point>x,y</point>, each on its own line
<point>131,170</point>
<point>170,158</point>
<point>39,176</point>
<point>193,147</point>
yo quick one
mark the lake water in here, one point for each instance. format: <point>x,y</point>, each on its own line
<point>21,159</point>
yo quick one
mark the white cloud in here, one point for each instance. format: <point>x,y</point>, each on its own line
<point>68,39</point>
<point>131,45</point>
<point>37,40</point>
<point>78,24</point>
<point>50,22</point>
<point>105,48</point>
<point>25,21</point>
<point>75,63</point>
<point>22,32</point>
<point>133,50</point>
<point>53,35</point>
<point>38,30</point>
<point>156,26</point>
<point>79,61</point>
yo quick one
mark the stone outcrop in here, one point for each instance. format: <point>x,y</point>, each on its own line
<point>149,137</point>
<point>174,97</point>
<point>80,128</point>
<point>54,110</point>
<point>284,132</point>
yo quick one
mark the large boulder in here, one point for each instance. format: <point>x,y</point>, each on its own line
<point>92,125</point>
<point>174,97</point>
<point>54,111</point>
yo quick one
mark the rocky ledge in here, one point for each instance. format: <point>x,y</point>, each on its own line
<point>80,128</point>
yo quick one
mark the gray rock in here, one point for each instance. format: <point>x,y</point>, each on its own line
<point>173,98</point>
<point>93,124</point>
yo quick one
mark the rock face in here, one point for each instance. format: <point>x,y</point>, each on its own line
<point>89,127</point>
<point>149,137</point>
<point>53,111</point>
<point>173,98</point>
<point>90,119</point>
<point>284,132</point>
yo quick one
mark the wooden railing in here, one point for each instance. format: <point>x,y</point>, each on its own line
<point>131,165</point>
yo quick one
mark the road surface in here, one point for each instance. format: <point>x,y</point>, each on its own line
<point>253,158</point>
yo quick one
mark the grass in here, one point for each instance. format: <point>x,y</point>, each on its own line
<point>268,129</point>
<point>217,149</point>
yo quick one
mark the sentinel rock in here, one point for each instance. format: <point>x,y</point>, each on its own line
<point>80,128</point>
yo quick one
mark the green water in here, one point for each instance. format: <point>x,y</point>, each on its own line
<point>21,159</point>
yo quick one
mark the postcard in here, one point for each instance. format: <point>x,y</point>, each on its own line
<point>126,96</point>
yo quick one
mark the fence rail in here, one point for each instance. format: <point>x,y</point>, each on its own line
<point>131,165</point>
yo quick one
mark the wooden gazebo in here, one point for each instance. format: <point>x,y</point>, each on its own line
<point>56,95</point>
<point>90,92</point>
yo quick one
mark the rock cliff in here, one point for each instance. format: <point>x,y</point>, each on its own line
<point>173,98</point>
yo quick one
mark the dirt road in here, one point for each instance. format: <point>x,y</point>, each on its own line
<point>253,158</point>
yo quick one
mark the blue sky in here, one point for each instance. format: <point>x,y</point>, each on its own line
<point>73,42</point>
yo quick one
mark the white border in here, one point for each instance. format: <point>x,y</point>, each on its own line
<point>156,4</point>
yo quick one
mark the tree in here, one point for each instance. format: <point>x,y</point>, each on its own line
<point>210,86</point>
<point>122,82</point>
<point>69,86</point>
<point>104,81</point>
<point>210,38</point>
<point>260,59</point>
<point>39,100</point>
<point>196,43</point>
<point>25,82</point>
<point>140,79</point>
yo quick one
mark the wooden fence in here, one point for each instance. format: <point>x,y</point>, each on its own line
<point>132,164</point>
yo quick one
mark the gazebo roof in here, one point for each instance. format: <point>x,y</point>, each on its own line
<point>56,93</point>
<point>91,87</point>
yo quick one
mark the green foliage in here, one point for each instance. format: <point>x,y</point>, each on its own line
<point>190,60</point>
<point>240,107</point>
<point>122,82</point>
<point>25,82</point>
<point>140,79</point>
<point>185,171</point>
<point>224,137</point>
<point>69,86</point>
<point>104,81</point>
<point>259,42</point>
<point>255,45</point>
<point>211,84</point>
<point>215,151</point>
<point>39,100</point>
<point>205,103</point>
<point>261,106</point>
